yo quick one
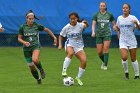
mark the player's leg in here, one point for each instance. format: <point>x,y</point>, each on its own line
<point>28,57</point>
<point>35,59</point>
<point>106,42</point>
<point>35,73</point>
<point>99,45</point>
<point>124,56</point>
<point>82,57</point>
<point>134,62</point>
<point>67,61</point>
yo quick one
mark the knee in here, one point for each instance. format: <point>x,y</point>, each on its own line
<point>106,49</point>
<point>70,55</point>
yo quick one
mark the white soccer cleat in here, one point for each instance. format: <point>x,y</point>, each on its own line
<point>79,81</point>
<point>64,73</point>
<point>105,67</point>
<point>102,66</point>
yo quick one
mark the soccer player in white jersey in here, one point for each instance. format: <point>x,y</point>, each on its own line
<point>74,44</point>
<point>1,28</point>
<point>126,24</point>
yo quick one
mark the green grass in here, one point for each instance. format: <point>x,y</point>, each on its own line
<point>16,78</point>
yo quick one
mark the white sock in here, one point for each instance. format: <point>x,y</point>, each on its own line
<point>66,63</point>
<point>125,66</point>
<point>81,72</point>
<point>136,67</point>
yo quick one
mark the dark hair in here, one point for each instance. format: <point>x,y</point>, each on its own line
<point>105,4</point>
<point>128,6</point>
<point>30,11</point>
<point>76,15</point>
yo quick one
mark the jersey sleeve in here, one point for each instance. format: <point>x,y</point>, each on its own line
<point>134,18</point>
<point>95,17</point>
<point>40,27</point>
<point>21,30</point>
<point>63,32</point>
<point>82,25</point>
<point>0,25</point>
<point>117,23</point>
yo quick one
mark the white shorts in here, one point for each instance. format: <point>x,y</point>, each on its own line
<point>128,47</point>
<point>76,49</point>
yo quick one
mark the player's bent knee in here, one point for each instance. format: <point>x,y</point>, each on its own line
<point>70,55</point>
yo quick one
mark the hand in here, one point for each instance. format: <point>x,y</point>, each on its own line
<point>115,28</point>
<point>93,34</point>
<point>86,23</point>
<point>27,44</point>
<point>60,47</point>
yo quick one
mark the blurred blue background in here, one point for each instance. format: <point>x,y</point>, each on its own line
<point>55,12</point>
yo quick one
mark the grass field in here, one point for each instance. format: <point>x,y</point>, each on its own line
<point>16,78</point>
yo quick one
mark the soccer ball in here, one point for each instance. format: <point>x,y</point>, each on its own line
<point>68,81</point>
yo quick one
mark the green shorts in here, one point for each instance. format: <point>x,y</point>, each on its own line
<point>100,40</point>
<point>28,52</point>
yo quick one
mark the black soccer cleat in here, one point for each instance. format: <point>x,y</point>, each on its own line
<point>42,74</point>
<point>136,77</point>
<point>126,76</point>
<point>39,81</point>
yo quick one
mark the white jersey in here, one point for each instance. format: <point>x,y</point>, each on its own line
<point>126,26</point>
<point>0,25</point>
<point>73,34</point>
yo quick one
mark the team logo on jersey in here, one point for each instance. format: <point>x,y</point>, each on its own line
<point>74,35</point>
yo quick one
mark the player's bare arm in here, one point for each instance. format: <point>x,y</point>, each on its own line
<point>51,34</point>
<point>60,42</point>
<point>93,28</point>
<point>27,44</point>
<point>137,25</point>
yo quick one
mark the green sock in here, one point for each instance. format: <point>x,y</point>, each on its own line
<point>39,66</point>
<point>35,74</point>
<point>102,58</point>
<point>106,56</point>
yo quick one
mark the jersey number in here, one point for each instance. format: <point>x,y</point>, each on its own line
<point>30,38</point>
<point>102,25</point>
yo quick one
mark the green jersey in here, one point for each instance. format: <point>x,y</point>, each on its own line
<point>103,23</point>
<point>31,34</point>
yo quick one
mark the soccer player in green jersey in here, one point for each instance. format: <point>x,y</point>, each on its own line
<point>29,37</point>
<point>101,20</point>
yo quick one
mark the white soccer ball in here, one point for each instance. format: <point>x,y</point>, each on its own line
<point>68,81</point>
